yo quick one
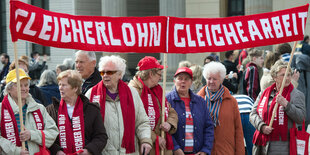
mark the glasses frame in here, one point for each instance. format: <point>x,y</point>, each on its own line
<point>102,73</point>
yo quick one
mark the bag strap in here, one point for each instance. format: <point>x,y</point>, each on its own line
<point>43,139</point>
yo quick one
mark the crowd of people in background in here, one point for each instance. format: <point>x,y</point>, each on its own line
<point>214,108</point>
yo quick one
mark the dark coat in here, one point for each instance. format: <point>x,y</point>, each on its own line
<point>37,94</point>
<point>203,126</point>
<point>91,81</point>
<point>50,91</point>
<point>95,133</point>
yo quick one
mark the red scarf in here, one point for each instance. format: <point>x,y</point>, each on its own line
<point>152,110</point>
<point>98,94</point>
<point>280,121</point>
<point>9,129</point>
<point>71,136</point>
<point>158,92</point>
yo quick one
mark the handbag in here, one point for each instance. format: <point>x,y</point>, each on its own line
<point>299,140</point>
<point>43,149</point>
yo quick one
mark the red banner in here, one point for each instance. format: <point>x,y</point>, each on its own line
<point>149,34</point>
<point>91,33</point>
<point>197,35</point>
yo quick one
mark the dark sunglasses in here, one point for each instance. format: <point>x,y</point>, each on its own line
<point>107,72</point>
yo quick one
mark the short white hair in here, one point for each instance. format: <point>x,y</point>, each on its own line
<point>213,68</point>
<point>119,62</point>
<point>91,55</point>
<point>9,86</point>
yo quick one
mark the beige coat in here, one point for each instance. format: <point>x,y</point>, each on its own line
<point>172,117</point>
<point>50,129</point>
<point>113,123</point>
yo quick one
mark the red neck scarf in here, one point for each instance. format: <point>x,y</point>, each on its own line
<point>9,129</point>
<point>71,135</point>
<point>158,92</point>
<point>98,93</point>
<point>280,121</point>
<point>152,110</point>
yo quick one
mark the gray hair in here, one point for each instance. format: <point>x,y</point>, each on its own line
<point>277,67</point>
<point>91,55</point>
<point>214,67</point>
<point>62,67</point>
<point>119,62</point>
<point>145,74</point>
<point>48,77</point>
<point>68,62</point>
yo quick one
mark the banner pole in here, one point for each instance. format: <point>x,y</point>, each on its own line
<point>283,83</point>
<point>163,98</point>
<point>19,93</point>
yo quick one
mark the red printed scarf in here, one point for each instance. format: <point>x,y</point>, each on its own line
<point>158,92</point>
<point>9,129</point>
<point>98,93</point>
<point>280,121</point>
<point>150,105</point>
<point>71,135</point>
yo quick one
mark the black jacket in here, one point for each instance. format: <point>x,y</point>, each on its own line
<point>91,81</point>
<point>95,133</point>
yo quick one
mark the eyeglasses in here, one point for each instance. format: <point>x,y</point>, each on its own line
<point>159,74</point>
<point>107,72</point>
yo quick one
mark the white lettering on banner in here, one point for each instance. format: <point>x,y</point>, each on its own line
<point>38,121</point>
<point>142,35</point>
<point>286,25</point>
<point>191,43</point>
<point>254,30</point>
<point>199,35</point>
<point>241,32</point>
<point>87,26</point>
<point>277,26</point>
<point>100,30</point>
<point>301,146</point>
<point>46,27</point>
<point>266,28</point>
<point>116,42</point>
<point>76,30</point>
<point>20,12</point>
<point>131,34</point>
<point>178,27</point>
<point>56,31</point>
<point>230,34</point>
<point>64,22</point>
<point>294,24</point>
<point>281,115</point>
<point>156,33</point>
<point>208,35</point>
<point>303,16</point>
<point>217,28</point>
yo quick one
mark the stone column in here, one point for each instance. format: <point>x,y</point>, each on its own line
<point>256,7</point>
<point>114,8</point>
<point>174,8</point>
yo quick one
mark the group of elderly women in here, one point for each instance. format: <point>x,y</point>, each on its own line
<point>116,118</point>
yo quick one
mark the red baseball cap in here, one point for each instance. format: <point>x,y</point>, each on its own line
<point>149,62</point>
<point>184,70</point>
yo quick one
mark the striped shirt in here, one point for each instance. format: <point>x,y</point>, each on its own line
<point>245,103</point>
<point>189,127</point>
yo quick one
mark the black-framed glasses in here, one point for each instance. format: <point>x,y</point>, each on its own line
<point>107,72</point>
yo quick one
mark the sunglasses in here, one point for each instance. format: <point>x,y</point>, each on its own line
<point>107,72</point>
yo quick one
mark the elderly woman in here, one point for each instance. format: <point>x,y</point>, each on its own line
<point>146,83</point>
<point>275,139</point>
<point>121,109</point>
<point>228,134</point>
<point>48,85</point>
<point>35,118</point>
<point>80,125</point>
<point>195,128</point>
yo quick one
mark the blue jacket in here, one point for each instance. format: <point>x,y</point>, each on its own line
<point>203,126</point>
<point>50,91</point>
